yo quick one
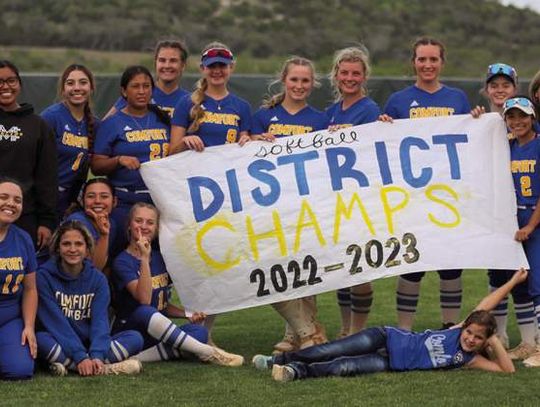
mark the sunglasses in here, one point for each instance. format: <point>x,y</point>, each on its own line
<point>217,52</point>
<point>518,102</point>
<point>502,69</point>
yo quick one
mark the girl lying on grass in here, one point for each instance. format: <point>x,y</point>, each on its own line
<point>472,344</point>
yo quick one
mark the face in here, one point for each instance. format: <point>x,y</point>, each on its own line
<point>11,201</point>
<point>77,88</point>
<point>169,65</point>
<point>428,63</point>
<point>98,198</point>
<point>350,77</point>
<point>217,74</point>
<point>138,92</point>
<point>499,89</point>
<point>473,338</point>
<point>145,221</point>
<point>298,83</point>
<point>519,123</point>
<point>536,96</point>
<point>72,248</point>
<point>9,92</point>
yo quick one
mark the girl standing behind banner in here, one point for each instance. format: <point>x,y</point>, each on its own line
<point>428,97</point>
<point>353,107</point>
<point>134,135</point>
<point>170,57</point>
<point>287,113</point>
<point>74,126</point>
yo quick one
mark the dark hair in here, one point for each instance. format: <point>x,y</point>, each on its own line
<point>484,319</point>
<point>4,179</point>
<point>88,115</point>
<point>428,41</point>
<point>4,63</point>
<point>172,43</point>
<point>134,70</point>
<point>67,226</point>
<point>78,206</point>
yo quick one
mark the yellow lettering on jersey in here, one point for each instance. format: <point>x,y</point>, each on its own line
<point>160,281</point>
<point>523,166</point>
<point>11,263</point>
<point>418,112</point>
<point>288,129</point>
<point>227,119</point>
<point>72,140</point>
<point>146,135</point>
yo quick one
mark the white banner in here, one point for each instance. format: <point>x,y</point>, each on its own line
<point>252,225</point>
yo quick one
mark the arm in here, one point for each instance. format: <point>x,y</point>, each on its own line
<point>173,311</point>
<point>523,233</point>
<point>101,250</point>
<point>182,142</point>
<point>243,138</point>
<point>498,361</point>
<point>491,300</point>
<point>29,311</point>
<point>141,289</point>
<point>105,165</point>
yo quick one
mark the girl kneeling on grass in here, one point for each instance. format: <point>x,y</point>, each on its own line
<point>382,349</point>
<point>73,303</point>
<point>143,284</point>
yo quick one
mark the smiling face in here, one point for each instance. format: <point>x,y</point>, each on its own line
<point>9,90</point>
<point>144,220</point>
<point>473,338</point>
<point>11,201</point>
<point>520,124</point>
<point>98,198</point>
<point>77,88</point>
<point>428,63</point>
<point>349,77</point>
<point>499,89</point>
<point>217,74</point>
<point>138,91</point>
<point>298,83</point>
<point>72,249</point>
<point>169,65</point>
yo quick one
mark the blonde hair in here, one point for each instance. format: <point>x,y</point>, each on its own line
<point>196,113</point>
<point>350,54</point>
<point>272,100</point>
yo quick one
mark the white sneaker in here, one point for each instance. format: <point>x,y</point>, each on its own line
<point>282,373</point>
<point>127,367</point>
<point>58,369</point>
<point>221,358</point>
<point>262,362</point>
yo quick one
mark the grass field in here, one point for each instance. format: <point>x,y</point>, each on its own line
<point>255,331</point>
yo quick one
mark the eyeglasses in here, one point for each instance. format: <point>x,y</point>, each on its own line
<point>501,69</point>
<point>217,52</point>
<point>518,101</point>
<point>11,81</point>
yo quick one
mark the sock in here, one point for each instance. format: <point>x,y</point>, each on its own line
<point>407,301</point>
<point>450,296</point>
<point>500,312</point>
<point>362,299</point>
<point>158,353</point>
<point>526,320</point>
<point>344,302</point>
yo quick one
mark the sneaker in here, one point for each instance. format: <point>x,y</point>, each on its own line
<point>58,369</point>
<point>522,351</point>
<point>287,344</point>
<point>221,358</point>
<point>262,362</point>
<point>127,367</point>
<point>282,373</point>
<point>532,361</point>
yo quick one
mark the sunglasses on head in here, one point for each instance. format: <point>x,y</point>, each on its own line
<point>217,52</point>
<point>502,69</point>
<point>518,101</point>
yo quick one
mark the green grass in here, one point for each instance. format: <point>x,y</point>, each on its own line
<point>255,331</point>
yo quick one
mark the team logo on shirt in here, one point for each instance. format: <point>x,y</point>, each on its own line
<point>75,306</point>
<point>72,140</point>
<point>436,350</point>
<point>414,103</point>
<point>458,358</point>
<point>127,128</point>
<point>66,127</point>
<point>274,119</point>
<point>13,134</point>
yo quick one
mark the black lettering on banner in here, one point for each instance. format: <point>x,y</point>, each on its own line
<point>391,261</point>
<point>355,268</point>
<point>374,263</point>
<point>261,292</point>
<point>274,271</point>
<point>294,267</point>
<point>309,262</point>
<point>411,253</point>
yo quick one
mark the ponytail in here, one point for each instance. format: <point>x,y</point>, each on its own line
<point>197,112</point>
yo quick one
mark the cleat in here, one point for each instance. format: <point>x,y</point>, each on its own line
<point>221,358</point>
<point>522,351</point>
<point>262,362</point>
<point>282,373</point>
<point>289,343</point>
<point>58,369</point>
<point>532,361</point>
<point>127,367</point>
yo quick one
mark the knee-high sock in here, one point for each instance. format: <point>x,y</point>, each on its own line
<point>500,313</point>
<point>526,319</point>
<point>450,296</point>
<point>344,302</point>
<point>297,314</point>
<point>362,299</point>
<point>407,301</point>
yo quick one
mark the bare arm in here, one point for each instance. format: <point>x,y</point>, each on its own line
<point>29,310</point>
<point>498,361</point>
<point>523,233</point>
<point>104,165</point>
<point>491,300</point>
<point>141,289</point>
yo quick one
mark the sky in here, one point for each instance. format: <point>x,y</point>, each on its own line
<point>533,4</point>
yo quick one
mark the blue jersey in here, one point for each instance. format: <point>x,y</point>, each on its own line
<point>222,122</point>
<point>281,123</point>
<point>71,143</point>
<point>362,111</point>
<point>413,103</point>
<point>126,269</point>
<point>165,101</point>
<point>17,258</point>
<point>74,309</point>
<point>425,350</point>
<point>146,138</point>
<point>525,161</point>
<point>87,222</point>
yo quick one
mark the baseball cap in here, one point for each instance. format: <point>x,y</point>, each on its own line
<point>521,103</point>
<point>219,55</point>
<point>501,69</point>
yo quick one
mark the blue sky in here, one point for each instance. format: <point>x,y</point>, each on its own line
<point>533,4</point>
